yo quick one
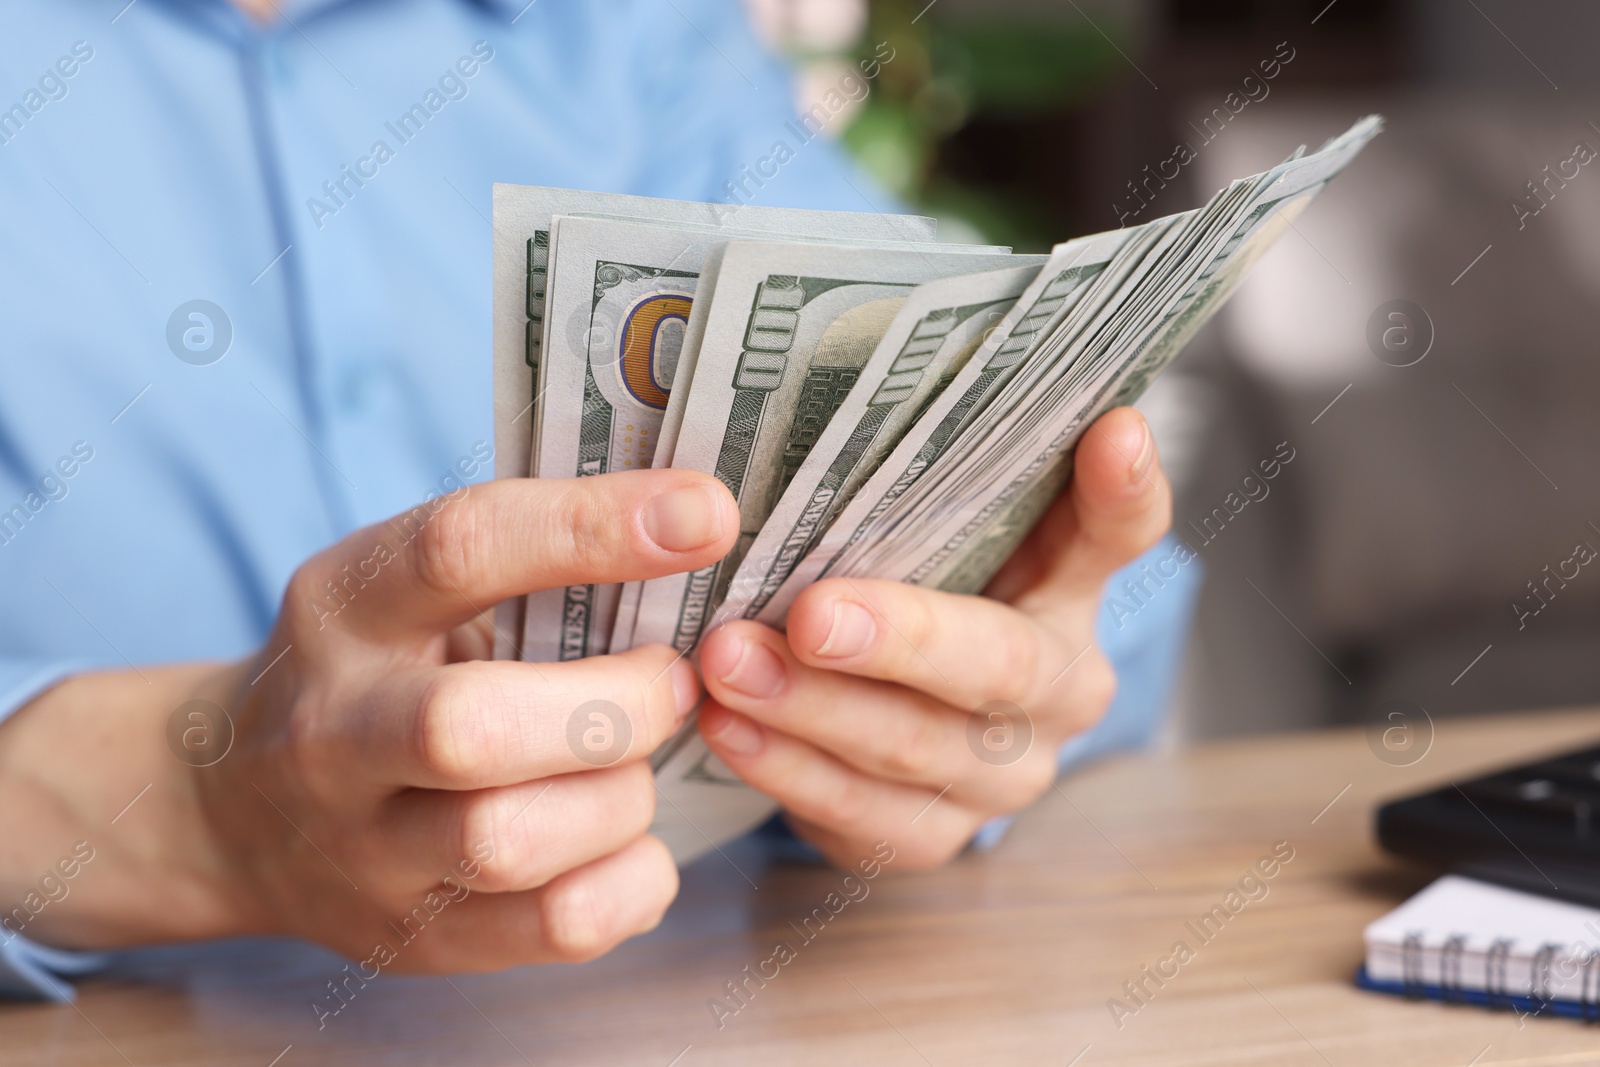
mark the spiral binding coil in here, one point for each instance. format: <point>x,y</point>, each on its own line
<point>1539,977</point>
<point>1411,965</point>
<point>1589,988</point>
<point>1450,984</point>
<point>1495,983</point>
<point>1497,992</point>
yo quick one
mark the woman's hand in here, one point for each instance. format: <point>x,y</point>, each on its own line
<point>894,713</point>
<point>379,786</point>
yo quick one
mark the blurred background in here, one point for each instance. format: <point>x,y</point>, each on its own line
<point>1423,344</point>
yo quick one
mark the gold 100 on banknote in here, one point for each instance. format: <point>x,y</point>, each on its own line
<point>879,404</point>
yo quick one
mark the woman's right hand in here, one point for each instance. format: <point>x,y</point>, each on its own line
<point>386,784</point>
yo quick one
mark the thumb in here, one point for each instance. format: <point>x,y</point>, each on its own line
<point>438,566</point>
<point>1119,503</point>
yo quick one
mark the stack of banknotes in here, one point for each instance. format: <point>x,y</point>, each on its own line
<point>879,404</point>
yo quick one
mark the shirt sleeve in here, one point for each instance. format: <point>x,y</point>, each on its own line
<point>23,678</point>
<point>28,970</point>
<point>1143,627</point>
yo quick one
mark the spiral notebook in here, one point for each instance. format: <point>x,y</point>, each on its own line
<point>1469,942</point>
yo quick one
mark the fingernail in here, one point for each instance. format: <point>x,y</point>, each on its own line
<point>738,734</point>
<point>757,672</point>
<point>1147,453</point>
<point>852,632</point>
<point>685,690</point>
<point>684,519</point>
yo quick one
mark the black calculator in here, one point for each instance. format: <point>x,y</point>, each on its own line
<point>1534,827</point>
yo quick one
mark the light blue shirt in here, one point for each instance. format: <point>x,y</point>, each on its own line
<point>159,152</point>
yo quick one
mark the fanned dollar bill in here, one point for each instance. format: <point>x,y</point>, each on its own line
<point>788,331</point>
<point>1054,291</point>
<point>972,509</point>
<point>522,216</point>
<point>929,342</point>
<point>618,330</point>
<point>672,422</point>
<point>617,310</point>
<point>903,413</point>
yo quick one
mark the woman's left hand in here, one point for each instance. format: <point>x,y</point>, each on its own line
<point>894,713</point>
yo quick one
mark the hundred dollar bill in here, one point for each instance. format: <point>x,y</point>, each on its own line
<point>1106,369</point>
<point>981,458</point>
<point>959,551</point>
<point>1053,292</point>
<point>618,312</point>
<point>930,340</point>
<point>617,306</point>
<point>1131,285</point>
<point>788,331</point>
<point>672,422</point>
<point>616,336</point>
<point>522,216</point>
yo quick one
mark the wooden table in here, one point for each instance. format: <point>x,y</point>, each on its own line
<point>1007,958</point>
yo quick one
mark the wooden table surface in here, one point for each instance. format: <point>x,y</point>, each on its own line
<point>1008,957</point>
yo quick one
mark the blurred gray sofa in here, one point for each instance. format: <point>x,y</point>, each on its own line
<point>1387,558</point>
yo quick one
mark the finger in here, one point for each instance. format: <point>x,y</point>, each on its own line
<point>847,852</point>
<point>880,728</point>
<point>483,724</point>
<point>962,650</point>
<point>514,838</point>
<point>883,730</point>
<point>817,788</point>
<point>577,916</point>
<point>473,639</point>
<point>1117,506</point>
<point>887,731</point>
<point>445,561</point>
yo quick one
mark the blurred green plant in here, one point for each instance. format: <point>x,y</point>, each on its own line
<point>949,73</point>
